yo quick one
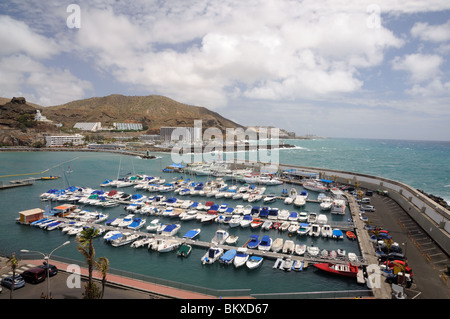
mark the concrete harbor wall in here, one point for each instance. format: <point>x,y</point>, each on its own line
<point>432,217</point>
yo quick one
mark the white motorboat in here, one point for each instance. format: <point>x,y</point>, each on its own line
<point>300,249</point>
<point>283,214</point>
<point>241,257</point>
<point>191,234</point>
<point>288,247</point>
<point>211,255</point>
<point>254,262</point>
<point>326,203</point>
<point>136,224</point>
<point>232,240</point>
<point>303,217</point>
<point>322,219</point>
<point>170,230</point>
<point>326,231</point>
<point>246,220</point>
<point>235,221</point>
<point>127,220</point>
<point>168,245</point>
<point>111,233</point>
<point>189,214</point>
<point>315,185</point>
<point>293,227</point>
<point>312,218</point>
<point>315,230</point>
<point>127,238</point>
<point>304,229</point>
<point>76,230</point>
<point>284,226</point>
<point>313,250</point>
<point>141,242</point>
<point>265,243</point>
<point>153,226</point>
<point>267,224</point>
<point>299,201</point>
<point>220,237</point>
<point>277,245</point>
<point>338,207</point>
<point>270,198</point>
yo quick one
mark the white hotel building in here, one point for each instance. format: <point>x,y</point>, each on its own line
<point>54,141</point>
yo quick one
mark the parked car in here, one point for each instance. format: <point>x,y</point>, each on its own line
<point>19,282</point>
<point>52,271</point>
<point>365,200</point>
<point>34,275</point>
<point>368,208</point>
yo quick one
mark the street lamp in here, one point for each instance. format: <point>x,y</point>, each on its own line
<point>47,259</point>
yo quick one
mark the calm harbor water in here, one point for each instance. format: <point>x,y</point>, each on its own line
<point>420,164</point>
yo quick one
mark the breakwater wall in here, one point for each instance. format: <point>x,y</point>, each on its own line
<point>432,217</point>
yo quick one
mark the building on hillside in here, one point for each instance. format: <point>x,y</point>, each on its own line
<point>150,138</point>
<point>41,118</point>
<point>64,140</point>
<point>128,126</point>
<point>89,126</point>
<point>185,134</point>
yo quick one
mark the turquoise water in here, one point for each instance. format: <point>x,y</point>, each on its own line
<point>420,164</point>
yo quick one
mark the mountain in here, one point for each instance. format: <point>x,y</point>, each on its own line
<point>153,111</point>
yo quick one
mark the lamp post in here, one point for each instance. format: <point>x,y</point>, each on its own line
<point>47,260</point>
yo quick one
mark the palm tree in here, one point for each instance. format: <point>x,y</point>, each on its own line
<point>14,264</point>
<point>103,265</point>
<point>86,247</point>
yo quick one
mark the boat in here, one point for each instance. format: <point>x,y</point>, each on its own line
<point>303,229</point>
<point>256,222</point>
<point>326,231</point>
<point>53,225</point>
<point>326,204</point>
<point>293,227</point>
<point>141,242</point>
<point>170,230</point>
<point>352,257</point>
<point>270,198</point>
<point>168,245</point>
<point>127,220</point>
<point>283,214</point>
<point>288,263</point>
<point>191,234</point>
<point>350,235</point>
<point>241,257</point>
<point>347,270</point>
<point>298,265</point>
<point>254,262</point>
<point>322,219</point>
<point>267,224</point>
<point>111,233</point>
<point>220,237</point>
<point>312,218</point>
<point>246,220</point>
<point>228,257</point>
<point>337,234</point>
<point>127,238</point>
<point>211,255</point>
<point>299,201</point>
<point>341,252</point>
<point>293,216</point>
<point>208,217</point>
<point>313,250</point>
<point>338,207</point>
<point>288,247</point>
<point>136,224</point>
<point>315,230</point>
<point>300,249</point>
<point>278,263</point>
<point>265,244</point>
<point>253,242</point>
<point>184,250</point>
<point>235,221</point>
<point>284,226</point>
<point>153,226</point>
<point>277,245</point>
<point>315,185</point>
<point>232,240</point>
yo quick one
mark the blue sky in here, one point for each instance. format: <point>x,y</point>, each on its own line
<point>371,69</point>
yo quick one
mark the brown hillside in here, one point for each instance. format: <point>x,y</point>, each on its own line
<point>152,111</point>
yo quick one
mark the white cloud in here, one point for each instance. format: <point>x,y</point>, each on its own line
<point>432,33</point>
<point>17,37</point>
<point>421,67</point>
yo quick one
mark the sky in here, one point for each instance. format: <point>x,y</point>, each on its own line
<point>333,68</point>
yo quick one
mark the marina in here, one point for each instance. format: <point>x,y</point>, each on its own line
<point>308,278</point>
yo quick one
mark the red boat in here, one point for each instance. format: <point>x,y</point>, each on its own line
<point>351,235</point>
<point>338,269</point>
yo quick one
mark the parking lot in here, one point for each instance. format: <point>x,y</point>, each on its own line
<point>428,261</point>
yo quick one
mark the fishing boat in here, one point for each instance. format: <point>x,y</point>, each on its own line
<point>338,269</point>
<point>241,257</point>
<point>211,255</point>
<point>228,257</point>
<point>253,242</point>
<point>184,250</point>
<point>265,244</point>
<point>277,245</point>
<point>220,237</point>
<point>288,247</point>
<point>350,235</point>
<point>254,262</point>
<point>191,234</point>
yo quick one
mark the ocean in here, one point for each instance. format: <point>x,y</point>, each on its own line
<point>421,164</point>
